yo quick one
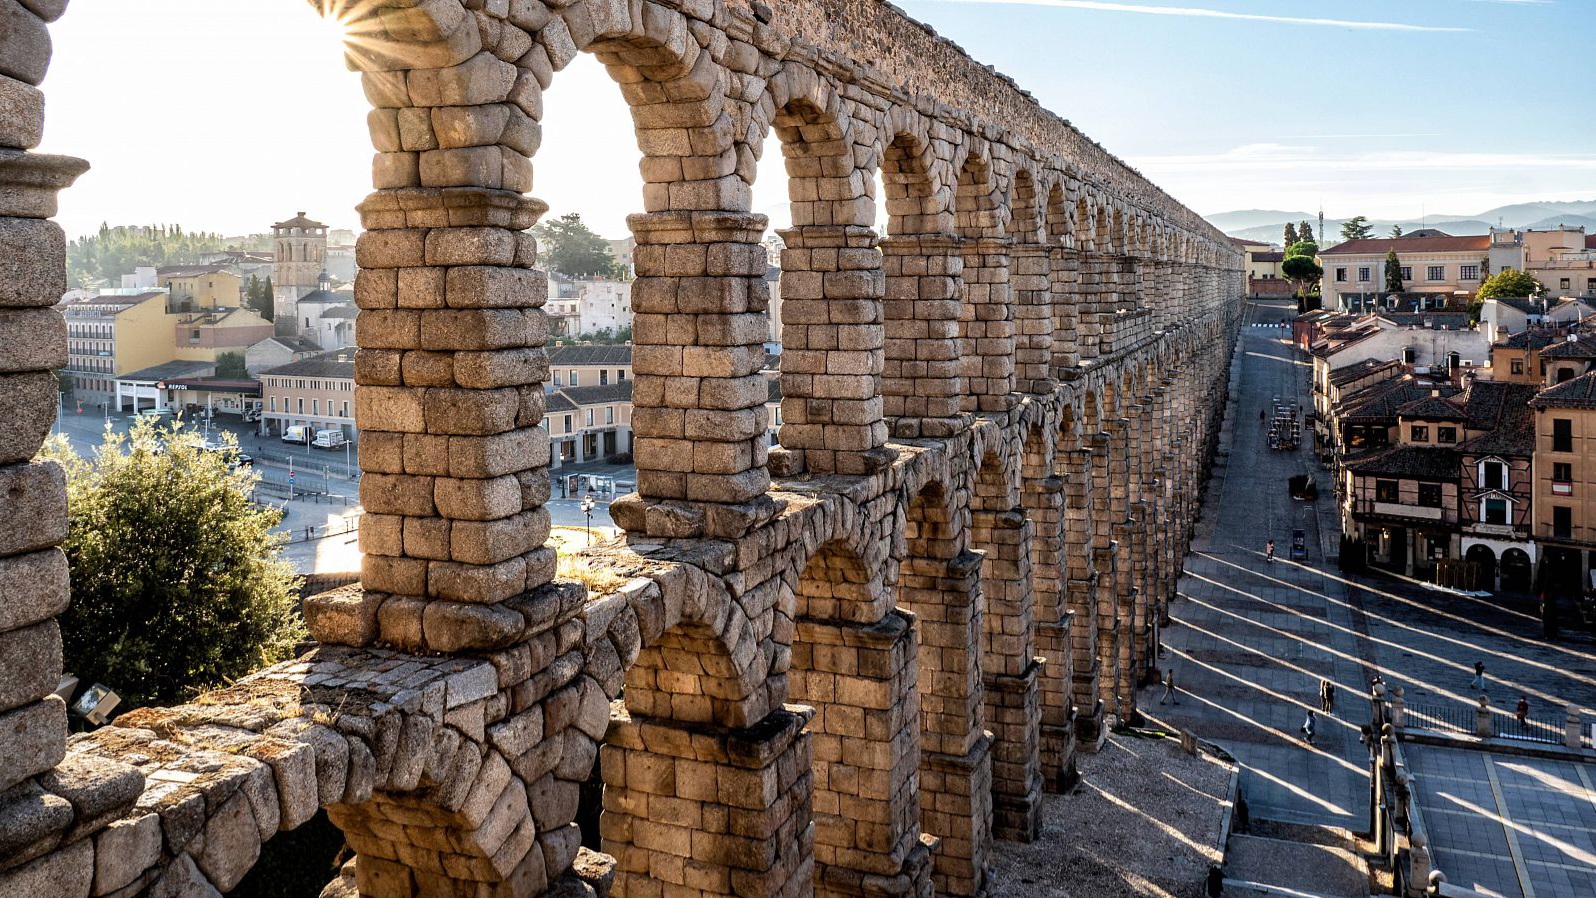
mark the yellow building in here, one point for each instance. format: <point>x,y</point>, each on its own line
<point>1563,260</point>
<point>113,334</point>
<point>202,336</point>
<point>201,286</point>
<point>1439,264</point>
<point>1564,473</point>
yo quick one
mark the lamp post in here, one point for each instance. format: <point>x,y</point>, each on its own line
<point>587,509</point>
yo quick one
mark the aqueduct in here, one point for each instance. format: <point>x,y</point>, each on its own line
<point>840,667</point>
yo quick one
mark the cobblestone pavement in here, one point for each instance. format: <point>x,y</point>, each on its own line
<point>1250,640</point>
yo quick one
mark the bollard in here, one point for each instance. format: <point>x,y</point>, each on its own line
<point>1571,728</point>
<point>1398,708</point>
<point>1482,718</point>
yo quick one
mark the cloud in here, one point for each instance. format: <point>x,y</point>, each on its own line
<point>1281,158</point>
<point>1200,12</point>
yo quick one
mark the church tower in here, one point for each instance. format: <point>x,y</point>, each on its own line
<point>301,257</point>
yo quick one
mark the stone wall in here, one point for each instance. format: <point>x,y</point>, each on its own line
<point>841,667</point>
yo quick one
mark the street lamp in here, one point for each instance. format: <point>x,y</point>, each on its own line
<point>587,509</point>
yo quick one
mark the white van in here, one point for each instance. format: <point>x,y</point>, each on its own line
<point>296,434</point>
<point>329,439</point>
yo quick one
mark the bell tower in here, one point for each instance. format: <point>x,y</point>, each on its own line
<point>301,257</point>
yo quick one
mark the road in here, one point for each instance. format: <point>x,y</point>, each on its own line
<point>1251,640</point>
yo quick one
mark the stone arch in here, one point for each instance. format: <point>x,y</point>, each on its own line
<point>986,315</point>
<point>1026,220</point>
<point>910,174</point>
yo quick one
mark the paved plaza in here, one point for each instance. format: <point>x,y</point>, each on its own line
<point>1250,641</point>
<point>1513,826</point>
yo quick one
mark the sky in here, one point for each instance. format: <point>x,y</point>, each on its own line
<point>228,115</point>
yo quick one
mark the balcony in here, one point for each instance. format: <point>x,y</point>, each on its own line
<point>1562,488</point>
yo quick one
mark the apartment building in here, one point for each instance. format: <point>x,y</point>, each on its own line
<point>201,286</point>
<point>1565,483</point>
<point>316,392</point>
<point>113,334</point>
<point>1562,259</point>
<point>588,365</point>
<point>1444,265</point>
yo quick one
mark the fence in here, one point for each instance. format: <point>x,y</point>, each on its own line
<point>1548,728</point>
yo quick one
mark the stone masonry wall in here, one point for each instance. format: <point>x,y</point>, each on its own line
<point>839,667</point>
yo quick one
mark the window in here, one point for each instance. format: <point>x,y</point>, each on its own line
<point>557,381</point>
<point>1562,283</point>
<point>274,403</point>
<point>1406,271</point>
<point>315,406</point>
<point>1437,272</point>
<point>1562,435</point>
<point>609,414</point>
<point>1445,434</point>
<point>1492,475</point>
<point>573,379</point>
<point>1341,275</point>
<point>1493,511</point>
<point>1468,272</point>
<point>1590,286</point>
<point>1363,274</point>
<point>1562,522</point>
<point>1430,495</point>
<point>1562,472</point>
<point>589,417</point>
<point>567,423</point>
<point>604,377</point>
<point>620,374</point>
<point>1386,491</point>
<point>1419,433</point>
<point>1517,365</point>
<point>343,411</point>
<point>301,405</point>
<point>1565,374</point>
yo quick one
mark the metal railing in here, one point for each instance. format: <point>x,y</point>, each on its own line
<point>1549,728</point>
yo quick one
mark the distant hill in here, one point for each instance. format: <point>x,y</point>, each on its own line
<point>1257,224</point>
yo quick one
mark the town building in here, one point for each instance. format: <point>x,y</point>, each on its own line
<point>1437,265</point>
<point>316,392</point>
<point>1565,483</point>
<point>275,351</point>
<point>201,286</point>
<point>1506,315</point>
<point>298,263</point>
<point>327,317</point>
<point>581,309</point>
<point>1562,259</point>
<point>110,335</point>
<point>588,364</point>
<point>1496,485</point>
<point>591,423</point>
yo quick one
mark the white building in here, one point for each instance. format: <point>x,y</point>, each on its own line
<point>585,308</point>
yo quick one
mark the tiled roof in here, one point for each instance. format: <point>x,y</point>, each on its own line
<point>188,271</point>
<point>1379,402</point>
<point>1503,411</point>
<point>338,363</point>
<point>1268,257</point>
<point>341,311</point>
<point>1577,393</point>
<point>293,344</point>
<point>1535,338</point>
<point>1570,349</point>
<point>330,297</point>
<point>1432,408</point>
<point>1361,369</point>
<point>299,221</point>
<point>599,394</point>
<point>1382,245</point>
<point>1522,303</point>
<point>590,354</point>
<point>1406,461</point>
<point>68,307</point>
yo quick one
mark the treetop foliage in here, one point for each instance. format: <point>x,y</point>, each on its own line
<point>1357,228</point>
<point>106,256</point>
<point>1291,234</point>
<point>177,581</point>
<point>568,246</point>
<point>1509,282</point>
<point>1393,272</point>
<point>1302,248</point>
<point>258,296</point>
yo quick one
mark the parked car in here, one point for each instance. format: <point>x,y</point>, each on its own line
<point>329,439</point>
<point>300,435</point>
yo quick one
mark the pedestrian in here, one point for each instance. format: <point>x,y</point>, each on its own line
<point>1478,683</point>
<point>1269,551</point>
<point>1308,727</point>
<point>1521,713</point>
<point>1327,696</point>
<point>1169,688</point>
<point>1263,415</point>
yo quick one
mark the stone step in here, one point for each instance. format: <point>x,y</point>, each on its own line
<point>1329,866</point>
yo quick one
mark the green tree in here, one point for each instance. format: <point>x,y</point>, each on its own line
<point>568,246</point>
<point>1509,282</point>
<point>1305,231</point>
<point>1393,272</point>
<point>105,256</point>
<point>1396,231</point>
<point>177,580</point>
<point>1302,270</point>
<point>1485,266</point>
<point>1357,228</point>
<point>1291,234</point>
<point>258,296</point>
<point>230,366</point>
<point>1302,248</point>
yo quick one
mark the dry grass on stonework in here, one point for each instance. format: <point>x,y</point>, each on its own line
<point>1143,823</point>
<point>600,581</point>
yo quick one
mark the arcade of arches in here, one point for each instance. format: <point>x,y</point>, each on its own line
<point>840,667</point>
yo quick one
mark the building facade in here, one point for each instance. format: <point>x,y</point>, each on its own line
<point>1434,265</point>
<point>316,392</point>
<point>110,335</point>
<point>300,258</point>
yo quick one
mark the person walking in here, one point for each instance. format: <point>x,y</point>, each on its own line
<point>1521,713</point>
<point>1478,683</point>
<point>1309,726</point>
<point>1269,552</point>
<point>1327,696</point>
<point>1170,692</point>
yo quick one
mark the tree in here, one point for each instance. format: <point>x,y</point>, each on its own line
<point>258,296</point>
<point>1396,231</point>
<point>1485,266</point>
<point>1302,248</point>
<point>1509,282</point>
<point>1302,270</point>
<point>1305,231</point>
<point>230,366</point>
<point>568,246</point>
<point>1357,228</point>
<point>1291,234</point>
<point>177,580</point>
<point>105,256</point>
<point>1393,272</point>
